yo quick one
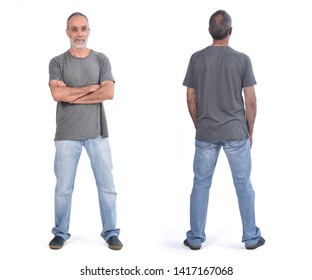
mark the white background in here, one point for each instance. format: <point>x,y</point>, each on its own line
<point>149,44</point>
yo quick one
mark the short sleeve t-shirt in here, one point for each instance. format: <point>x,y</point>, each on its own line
<point>75,121</point>
<point>218,75</point>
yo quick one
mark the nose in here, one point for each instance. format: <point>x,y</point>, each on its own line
<point>79,33</point>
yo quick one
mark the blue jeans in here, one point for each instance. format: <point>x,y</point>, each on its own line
<point>205,159</point>
<point>65,166</point>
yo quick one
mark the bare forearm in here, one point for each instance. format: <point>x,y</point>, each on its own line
<point>62,93</point>
<point>73,94</point>
<point>97,96</point>
<point>193,113</point>
<point>192,105</point>
<point>251,107</point>
<point>104,92</point>
<point>251,113</point>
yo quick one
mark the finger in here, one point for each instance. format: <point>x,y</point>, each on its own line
<point>61,84</point>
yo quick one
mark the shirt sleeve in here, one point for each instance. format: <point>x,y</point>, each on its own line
<point>55,70</point>
<point>249,77</point>
<point>106,70</point>
<point>189,77</point>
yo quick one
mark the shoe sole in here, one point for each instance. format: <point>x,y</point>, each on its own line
<point>260,243</point>
<point>55,247</point>
<point>115,248</point>
<point>190,246</point>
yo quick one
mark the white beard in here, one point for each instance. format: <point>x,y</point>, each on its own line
<point>79,45</point>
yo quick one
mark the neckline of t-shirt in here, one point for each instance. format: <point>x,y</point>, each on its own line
<point>90,52</point>
<point>224,46</point>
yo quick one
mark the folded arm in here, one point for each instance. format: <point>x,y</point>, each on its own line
<point>105,91</point>
<point>62,93</point>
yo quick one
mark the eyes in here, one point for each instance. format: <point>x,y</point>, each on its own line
<point>75,29</point>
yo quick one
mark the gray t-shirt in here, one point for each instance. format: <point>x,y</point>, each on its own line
<point>218,75</point>
<point>73,121</point>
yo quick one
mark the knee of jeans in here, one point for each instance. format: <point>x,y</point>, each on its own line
<point>107,188</point>
<point>64,188</point>
<point>243,184</point>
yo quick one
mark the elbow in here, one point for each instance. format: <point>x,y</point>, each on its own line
<point>252,105</point>
<point>110,94</point>
<point>56,98</point>
<point>59,98</point>
<point>57,95</point>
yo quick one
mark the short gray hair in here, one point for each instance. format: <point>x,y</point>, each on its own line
<point>220,24</point>
<point>76,14</point>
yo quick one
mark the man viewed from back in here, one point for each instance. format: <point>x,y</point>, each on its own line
<point>215,79</point>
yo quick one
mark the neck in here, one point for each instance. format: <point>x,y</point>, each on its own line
<point>220,43</point>
<point>79,52</point>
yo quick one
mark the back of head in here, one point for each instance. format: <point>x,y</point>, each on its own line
<point>220,24</point>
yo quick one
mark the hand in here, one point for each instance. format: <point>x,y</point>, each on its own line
<point>61,84</point>
<point>94,87</point>
<point>250,141</point>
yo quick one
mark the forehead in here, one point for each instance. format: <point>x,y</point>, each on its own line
<point>77,21</point>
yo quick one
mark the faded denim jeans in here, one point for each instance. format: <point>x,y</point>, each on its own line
<point>205,159</point>
<point>65,166</point>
